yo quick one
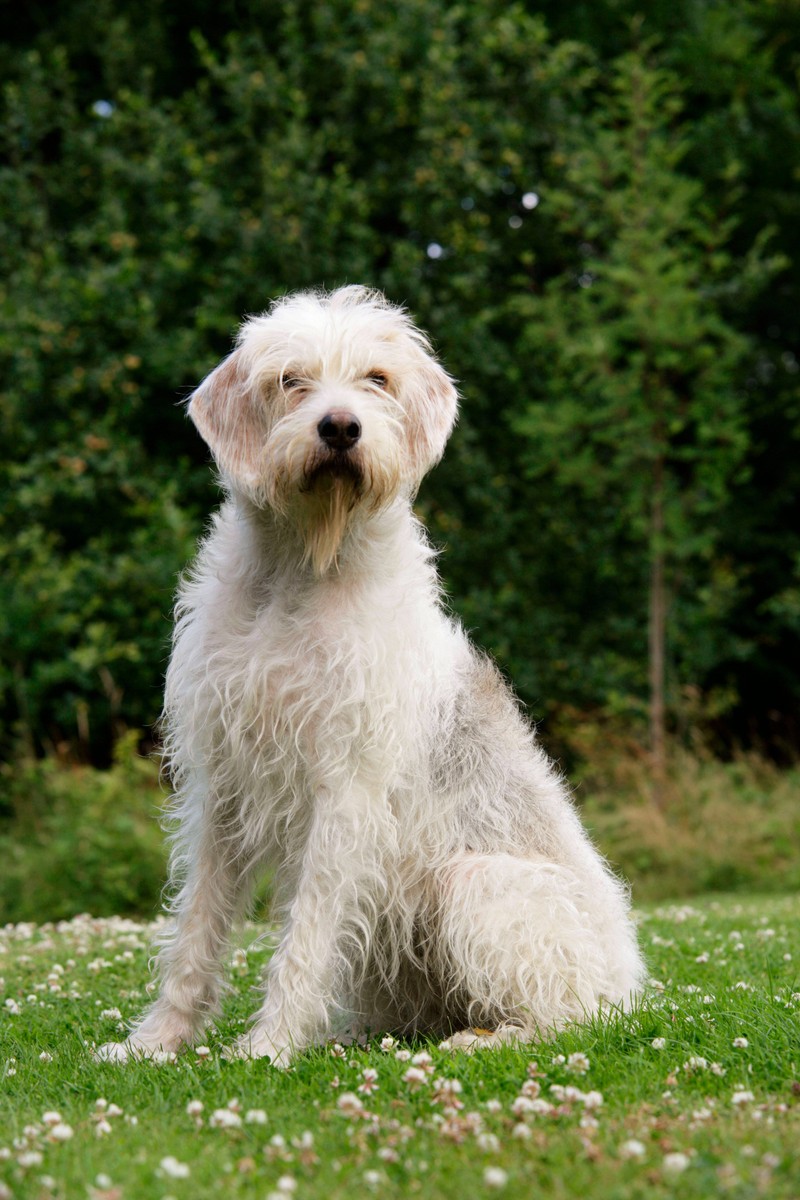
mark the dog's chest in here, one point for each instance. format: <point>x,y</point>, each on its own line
<point>313,684</point>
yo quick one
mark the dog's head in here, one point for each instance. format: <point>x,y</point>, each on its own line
<point>329,404</point>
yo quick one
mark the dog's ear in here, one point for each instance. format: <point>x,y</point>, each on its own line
<point>432,410</point>
<point>230,416</point>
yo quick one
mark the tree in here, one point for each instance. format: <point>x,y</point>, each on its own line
<point>635,342</point>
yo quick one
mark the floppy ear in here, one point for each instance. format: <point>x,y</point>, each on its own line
<point>432,411</point>
<point>231,418</point>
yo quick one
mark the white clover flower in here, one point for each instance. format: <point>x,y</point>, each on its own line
<point>402,1055</point>
<point>448,1087</point>
<point>51,1118</point>
<point>741,1096</point>
<point>521,1131</point>
<point>488,1142</point>
<point>495,1177</point>
<point>659,1043</point>
<point>45,1057</point>
<point>415,1077</point>
<point>160,1057</point>
<point>60,1133</point>
<point>255,1116</point>
<point>493,1106</point>
<point>740,1043</point>
<point>370,1080</point>
<point>194,1108</point>
<point>224,1118</point>
<point>387,1044</point>
<point>578,1063</point>
<point>102,1128</point>
<point>423,1059</point>
<point>12,1007</point>
<point>696,1063</point>
<point>350,1104</point>
<point>110,1014</point>
<point>632,1149</point>
<point>174,1169</point>
<point>286,1184</point>
<point>202,1051</point>
<point>30,1158</point>
<point>675,1164</point>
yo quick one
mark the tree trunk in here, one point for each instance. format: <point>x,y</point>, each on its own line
<point>657,636</point>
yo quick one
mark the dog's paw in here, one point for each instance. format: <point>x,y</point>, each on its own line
<point>256,1044</point>
<point>470,1040</point>
<point>122,1052</point>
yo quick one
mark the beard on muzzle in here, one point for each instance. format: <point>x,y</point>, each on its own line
<point>334,471</point>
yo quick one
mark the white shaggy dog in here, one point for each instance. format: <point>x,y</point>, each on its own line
<point>327,719</point>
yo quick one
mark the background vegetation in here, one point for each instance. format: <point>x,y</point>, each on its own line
<point>595,211</point>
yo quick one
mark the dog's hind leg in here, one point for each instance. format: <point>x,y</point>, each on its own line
<point>527,946</point>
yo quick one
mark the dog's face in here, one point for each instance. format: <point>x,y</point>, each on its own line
<point>328,403</point>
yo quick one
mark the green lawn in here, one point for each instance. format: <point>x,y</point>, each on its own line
<point>696,1094</point>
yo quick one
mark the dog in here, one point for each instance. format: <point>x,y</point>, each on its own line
<point>326,719</point>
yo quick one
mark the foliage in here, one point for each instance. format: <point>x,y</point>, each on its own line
<point>82,840</point>
<point>166,171</point>
<point>695,1093</point>
<point>634,349</point>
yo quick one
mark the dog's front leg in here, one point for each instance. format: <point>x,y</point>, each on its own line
<point>213,893</point>
<point>328,927</point>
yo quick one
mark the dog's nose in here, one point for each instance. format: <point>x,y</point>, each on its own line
<point>339,430</point>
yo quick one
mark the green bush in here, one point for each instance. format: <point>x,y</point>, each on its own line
<point>80,839</point>
<point>166,169</point>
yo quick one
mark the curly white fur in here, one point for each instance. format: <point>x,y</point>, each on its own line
<point>327,719</point>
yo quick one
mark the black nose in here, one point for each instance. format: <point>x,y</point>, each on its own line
<point>339,430</point>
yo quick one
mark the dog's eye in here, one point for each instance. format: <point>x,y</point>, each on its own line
<point>291,381</point>
<point>378,378</point>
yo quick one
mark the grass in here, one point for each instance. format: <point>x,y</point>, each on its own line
<point>695,1094</point>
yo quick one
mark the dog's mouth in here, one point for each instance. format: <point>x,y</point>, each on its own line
<point>329,465</point>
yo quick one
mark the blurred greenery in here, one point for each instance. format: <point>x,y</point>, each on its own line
<point>594,210</point>
<point>81,839</point>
